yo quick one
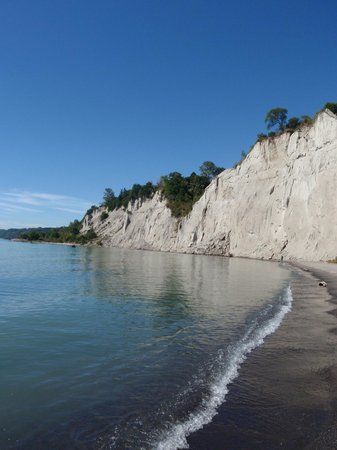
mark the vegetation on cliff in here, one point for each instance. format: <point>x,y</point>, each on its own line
<point>138,191</point>
<point>332,107</point>
<point>277,121</point>
<point>180,192</point>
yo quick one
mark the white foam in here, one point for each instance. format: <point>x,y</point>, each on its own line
<point>175,437</point>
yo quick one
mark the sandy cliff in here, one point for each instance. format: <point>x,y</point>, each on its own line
<point>281,201</point>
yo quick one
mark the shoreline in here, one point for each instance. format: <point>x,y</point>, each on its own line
<point>327,272</point>
<point>299,263</point>
<point>286,392</point>
<point>68,244</point>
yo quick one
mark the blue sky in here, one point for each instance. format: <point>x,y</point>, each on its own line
<point>99,94</point>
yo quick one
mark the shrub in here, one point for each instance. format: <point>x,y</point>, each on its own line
<point>104,216</point>
<point>332,107</point>
<point>90,235</point>
<point>261,137</point>
<point>293,123</point>
<point>182,192</point>
<point>91,210</point>
<point>31,236</point>
<point>333,261</point>
<point>74,227</point>
<point>112,202</point>
<point>306,120</point>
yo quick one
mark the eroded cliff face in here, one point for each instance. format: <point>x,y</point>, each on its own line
<point>281,201</point>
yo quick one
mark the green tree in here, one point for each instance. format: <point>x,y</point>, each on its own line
<point>332,107</point>
<point>74,227</point>
<point>32,235</point>
<point>276,116</point>
<point>109,199</point>
<point>182,192</point>
<point>53,234</point>
<point>210,170</point>
<point>307,120</point>
<point>147,190</point>
<point>293,123</point>
<point>91,210</point>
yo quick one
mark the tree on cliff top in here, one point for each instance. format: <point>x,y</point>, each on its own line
<point>332,107</point>
<point>276,116</point>
<point>209,170</point>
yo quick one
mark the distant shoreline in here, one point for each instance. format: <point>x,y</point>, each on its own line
<point>68,244</point>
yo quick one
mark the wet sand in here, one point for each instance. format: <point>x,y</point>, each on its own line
<point>286,392</point>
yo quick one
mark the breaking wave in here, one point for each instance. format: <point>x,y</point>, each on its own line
<point>175,437</point>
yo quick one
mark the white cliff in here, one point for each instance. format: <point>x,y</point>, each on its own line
<point>281,201</point>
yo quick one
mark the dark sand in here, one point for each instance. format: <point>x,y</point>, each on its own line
<point>286,392</point>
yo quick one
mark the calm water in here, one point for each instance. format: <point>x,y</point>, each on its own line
<point>108,348</point>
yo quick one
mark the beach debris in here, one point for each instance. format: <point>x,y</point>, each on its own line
<point>322,283</point>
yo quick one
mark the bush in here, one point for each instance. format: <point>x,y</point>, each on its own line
<point>90,235</point>
<point>333,261</point>
<point>332,107</point>
<point>293,123</point>
<point>306,120</point>
<point>31,236</point>
<point>137,191</point>
<point>74,227</point>
<point>104,216</point>
<point>261,137</point>
<point>182,192</point>
<point>91,210</point>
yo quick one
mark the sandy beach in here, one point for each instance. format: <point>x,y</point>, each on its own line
<point>286,392</point>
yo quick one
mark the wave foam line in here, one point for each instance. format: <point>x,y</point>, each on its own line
<point>176,437</point>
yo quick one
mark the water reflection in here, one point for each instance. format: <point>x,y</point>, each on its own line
<point>109,339</point>
<point>202,284</point>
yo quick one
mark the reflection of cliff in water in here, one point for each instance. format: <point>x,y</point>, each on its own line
<point>198,284</point>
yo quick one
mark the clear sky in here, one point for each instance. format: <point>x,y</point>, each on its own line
<point>99,94</point>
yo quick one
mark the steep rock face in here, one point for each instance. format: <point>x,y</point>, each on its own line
<point>281,201</point>
<point>144,224</point>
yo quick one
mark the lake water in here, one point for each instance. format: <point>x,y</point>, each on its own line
<point>109,348</point>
